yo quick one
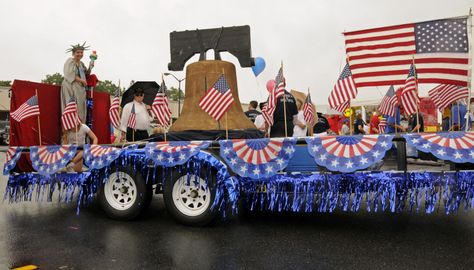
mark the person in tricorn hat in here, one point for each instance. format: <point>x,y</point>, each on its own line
<point>74,82</point>
<point>143,118</point>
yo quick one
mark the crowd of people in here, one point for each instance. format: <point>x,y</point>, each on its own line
<point>454,118</point>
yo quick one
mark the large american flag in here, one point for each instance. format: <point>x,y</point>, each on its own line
<point>389,102</point>
<point>344,90</point>
<point>381,56</point>
<point>218,99</point>
<point>409,97</point>
<point>132,119</point>
<point>70,118</point>
<point>27,109</point>
<point>160,106</point>
<point>114,113</point>
<point>308,110</point>
<point>445,94</point>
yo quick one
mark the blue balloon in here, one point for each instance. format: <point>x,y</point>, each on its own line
<point>259,66</point>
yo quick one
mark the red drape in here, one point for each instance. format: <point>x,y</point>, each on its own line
<point>25,133</point>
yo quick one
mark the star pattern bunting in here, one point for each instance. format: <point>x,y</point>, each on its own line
<point>457,147</point>
<point>51,158</point>
<point>12,156</point>
<point>98,157</point>
<point>348,153</point>
<point>257,158</point>
<point>170,154</point>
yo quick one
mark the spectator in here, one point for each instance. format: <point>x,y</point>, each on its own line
<point>393,123</point>
<point>446,119</point>
<point>374,124</point>
<point>359,124</point>
<point>458,116</point>
<point>278,128</point>
<point>345,130</point>
<point>413,125</point>
<point>252,112</point>
<point>260,121</point>
<point>322,125</point>
<point>300,128</point>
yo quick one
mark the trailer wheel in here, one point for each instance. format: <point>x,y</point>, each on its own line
<point>125,195</point>
<point>190,201</point>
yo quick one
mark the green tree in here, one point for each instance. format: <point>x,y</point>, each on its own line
<point>107,86</point>
<point>56,79</point>
<point>5,83</point>
<point>173,93</point>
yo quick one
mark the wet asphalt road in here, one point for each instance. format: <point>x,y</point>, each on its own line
<point>52,236</point>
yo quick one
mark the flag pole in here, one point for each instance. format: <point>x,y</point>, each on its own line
<point>284,101</point>
<point>310,125</point>
<point>39,122</point>
<point>416,90</point>
<point>226,125</point>
<point>171,119</point>
<point>469,72</point>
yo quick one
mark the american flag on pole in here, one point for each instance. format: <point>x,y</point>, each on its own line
<point>308,110</point>
<point>344,90</point>
<point>279,84</point>
<point>382,125</point>
<point>389,102</point>
<point>409,97</point>
<point>445,94</point>
<point>132,119</point>
<point>160,107</point>
<point>381,56</point>
<point>27,109</point>
<point>218,99</point>
<point>114,113</point>
<point>278,91</point>
<point>70,118</point>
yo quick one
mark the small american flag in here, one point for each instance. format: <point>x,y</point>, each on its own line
<point>27,109</point>
<point>160,107</point>
<point>70,118</point>
<point>342,107</point>
<point>279,84</point>
<point>409,97</point>
<point>278,91</point>
<point>389,102</point>
<point>382,125</point>
<point>344,90</point>
<point>381,56</point>
<point>308,110</point>
<point>132,119</point>
<point>445,94</point>
<point>218,99</point>
<point>114,113</point>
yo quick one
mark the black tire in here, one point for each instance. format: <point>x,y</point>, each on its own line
<point>114,206</point>
<point>199,219</point>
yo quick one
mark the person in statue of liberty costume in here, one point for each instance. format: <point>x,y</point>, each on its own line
<point>74,83</point>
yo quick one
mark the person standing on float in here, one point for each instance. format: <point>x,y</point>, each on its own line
<point>74,83</point>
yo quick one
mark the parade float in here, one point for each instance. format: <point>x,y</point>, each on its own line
<point>206,168</point>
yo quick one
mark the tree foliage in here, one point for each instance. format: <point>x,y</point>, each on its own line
<point>107,86</point>
<point>173,93</point>
<point>5,83</point>
<point>56,79</point>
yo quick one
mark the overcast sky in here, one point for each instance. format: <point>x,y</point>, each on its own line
<point>132,37</point>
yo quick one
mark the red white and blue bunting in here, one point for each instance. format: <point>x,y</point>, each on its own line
<point>12,156</point>
<point>348,153</point>
<point>52,158</point>
<point>170,154</point>
<point>457,147</point>
<point>98,157</point>
<point>257,158</point>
